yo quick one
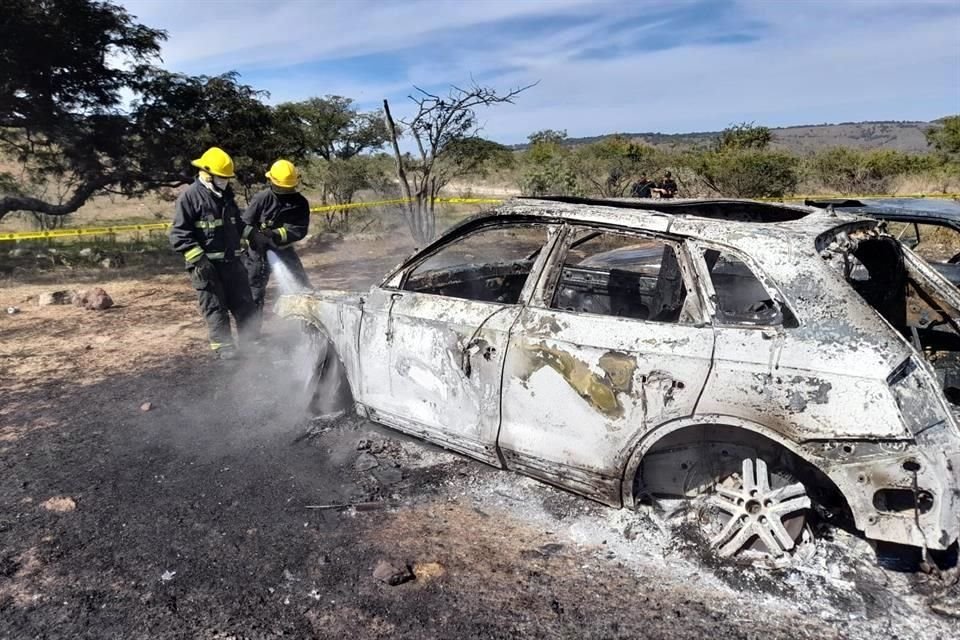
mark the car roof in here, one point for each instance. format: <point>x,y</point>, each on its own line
<point>941,210</point>
<point>715,219</point>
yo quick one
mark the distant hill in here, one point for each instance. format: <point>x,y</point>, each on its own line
<point>902,136</point>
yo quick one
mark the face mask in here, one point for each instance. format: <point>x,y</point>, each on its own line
<point>220,183</point>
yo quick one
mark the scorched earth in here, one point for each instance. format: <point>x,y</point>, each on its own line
<point>215,513</point>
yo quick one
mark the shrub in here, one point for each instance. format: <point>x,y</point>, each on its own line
<point>746,172</point>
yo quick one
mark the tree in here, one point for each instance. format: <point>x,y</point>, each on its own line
<point>547,137</point>
<point>746,173</point>
<point>547,165</point>
<point>342,179</point>
<point>745,135</point>
<point>946,137</point>
<point>176,117</point>
<point>332,133</point>
<point>852,171</point>
<point>60,97</point>
<point>63,121</point>
<point>739,165</point>
<point>445,131</point>
<point>609,167</point>
<point>331,127</point>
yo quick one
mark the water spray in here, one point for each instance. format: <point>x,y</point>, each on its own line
<point>284,277</point>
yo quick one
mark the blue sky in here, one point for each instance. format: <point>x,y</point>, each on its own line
<point>602,65</point>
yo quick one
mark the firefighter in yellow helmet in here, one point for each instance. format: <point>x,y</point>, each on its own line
<point>206,229</point>
<point>276,218</point>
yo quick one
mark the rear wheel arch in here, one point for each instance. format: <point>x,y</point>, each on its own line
<point>733,430</point>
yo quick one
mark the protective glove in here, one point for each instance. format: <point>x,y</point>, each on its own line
<point>260,241</point>
<point>205,268</point>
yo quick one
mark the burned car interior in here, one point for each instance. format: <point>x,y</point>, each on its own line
<point>490,264</point>
<point>621,275</point>
<point>876,268</point>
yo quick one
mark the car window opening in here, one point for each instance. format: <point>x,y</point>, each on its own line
<point>622,275</point>
<point>934,243</point>
<point>878,270</point>
<point>487,265</point>
<point>741,298</point>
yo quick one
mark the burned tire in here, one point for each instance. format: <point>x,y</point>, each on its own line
<point>733,494</point>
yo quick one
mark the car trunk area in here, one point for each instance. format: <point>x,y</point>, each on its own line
<point>919,306</point>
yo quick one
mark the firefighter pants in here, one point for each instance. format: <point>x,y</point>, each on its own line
<point>225,292</point>
<point>258,271</point>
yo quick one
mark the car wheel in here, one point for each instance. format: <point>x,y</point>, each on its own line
<point>754,510</point>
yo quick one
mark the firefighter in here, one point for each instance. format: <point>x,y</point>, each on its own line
<point>206,229</point>
<point>276,218</point>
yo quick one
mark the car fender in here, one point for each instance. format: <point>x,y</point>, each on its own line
<point>647,439</point>
<point>337,314</point>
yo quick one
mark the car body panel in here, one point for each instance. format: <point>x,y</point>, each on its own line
<point>578,388</point>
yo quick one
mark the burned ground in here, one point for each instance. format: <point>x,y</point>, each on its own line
<point>194,518</point>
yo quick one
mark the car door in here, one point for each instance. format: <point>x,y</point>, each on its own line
<point>612,343</point>
<point>434,338</point>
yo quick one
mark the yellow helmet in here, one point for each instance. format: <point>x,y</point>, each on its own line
<point>283,174</point>
<point>215,161</point>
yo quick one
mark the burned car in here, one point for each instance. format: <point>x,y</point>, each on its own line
<point>929,226</point>
<point>759,360</point>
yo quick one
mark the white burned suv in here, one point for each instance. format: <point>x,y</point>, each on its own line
<point>761,359</point>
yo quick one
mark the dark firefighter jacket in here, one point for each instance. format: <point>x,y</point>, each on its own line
<point>205,224</point>
<point>287,214</point>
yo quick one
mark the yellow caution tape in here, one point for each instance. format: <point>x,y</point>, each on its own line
<point>90,231</point>
<point>159,226</point>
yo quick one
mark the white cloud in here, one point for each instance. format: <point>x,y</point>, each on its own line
<point>812,61</point>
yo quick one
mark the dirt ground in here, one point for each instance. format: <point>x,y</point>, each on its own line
<point>198,518</point>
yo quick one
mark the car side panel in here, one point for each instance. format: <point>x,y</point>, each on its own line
<point>579,389</point>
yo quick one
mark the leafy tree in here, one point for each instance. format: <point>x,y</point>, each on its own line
<point>60,97</point>
<point>547,163</point>
<point>745,135</point>
<point>548,137</point>
<point>215,111</point>
<point>746,173</point>
<point>332,133</point>
<point>609,167</point>
<point>342,179</point>
<point>740,165</point>
<point>332,128</point>
<point>946,138</point>
<point>63,121</point>
<point>445,130</point>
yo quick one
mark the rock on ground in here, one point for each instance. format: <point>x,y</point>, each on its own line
<point>392,574</point>
<point>59,503</point>
<point>95,299</point>
<point>55,297</point>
